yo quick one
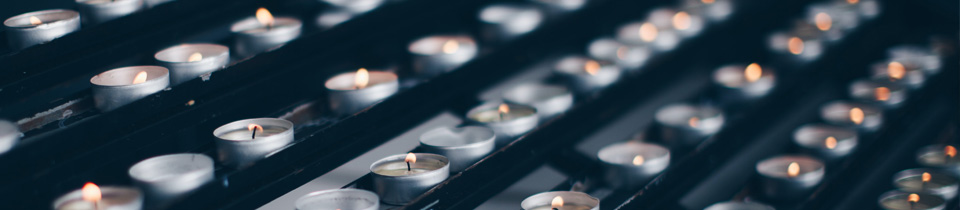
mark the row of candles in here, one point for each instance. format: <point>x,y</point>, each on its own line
<point>824,24</point>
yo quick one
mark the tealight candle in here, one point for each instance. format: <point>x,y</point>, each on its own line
<point>918,57</point>
<point>632,164</point>
<point>349,199</point>
<point>167,177</point>
<point>398,179</point>
<point>9,135</point>
<point>39,27</point>
<point>682,125</point>
<point>684,23</point>
<point>924,180</point>
<point>504,22</point>
<point>900,73</point>
<point>121,86</point>
<point>940,156</point>
<point>867,9</point>
<point>833,21</point>
<point>789,177</point>
<point>714,10</point>
<point>646,33</point>
<point>549,100</point>
<point>585,74</point>
<point>897,200</point>
<point>804,41</point>
<point>560,200</point>
<point>462,146</point>
<point>829,142</point>
<point>884,93</point>
<point>506,120</point>
<point>356,6</point>
<point>744,82</point>
<point>732,205</point>
<point>628,57</point>
<point>351,92</point>
<point>242,142</point>
<point>435,55</point>
<point>189,61</point>
<point>264,33</point>
<point>93,197</point>
<point>561,6</point>
<point>99,11</point>
<point>862,116</point>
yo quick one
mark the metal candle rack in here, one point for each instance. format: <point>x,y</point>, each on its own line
<point>51,160</point>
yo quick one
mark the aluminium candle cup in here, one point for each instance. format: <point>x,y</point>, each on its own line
<point>518,120</point>
<point>884,93</point>
<point>396,187</point>
<point>867,9</point>
<point>628,57</point>
<point>252,37</point>
<point>920,57</point>
<point>733,205</point>
<point>896,72</point>
<point>646,33</point>
<point>841,20</point>
<point>713,10</point>
<point>549,100</point>
<point>942,184</point>
<point>56,23</point>
<point>507,21</point>
<point>112,198</point>
<point>571,201</point>
<point>462,146</point>
<point>9,135</point>
<point>685,23</point>
<point>934,156</point>
<point>842,113</point>
<point>683,125</point>
<point>630,165</point>
<point>898,200</point>
<point>355,6</point>
<point>807,44</point>
<point>166,177</point>
<point>114,88</point>
<point>177,60</point>
<point>350,199</point>
<point>829,142</point>
<point>434,55</point>
<point>237,148</point>
<point>585,74</point>
<point>777,184</point>
<point>737,87</point>
<point>346,99</point>
<point>100,11</point>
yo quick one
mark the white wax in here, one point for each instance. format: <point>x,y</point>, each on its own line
<point>245,134</point>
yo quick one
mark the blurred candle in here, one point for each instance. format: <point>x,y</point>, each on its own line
<point>683,22</point>
<point>684,125</point>
<point>713,10</point>
<point>926,180</point>
<point>263,32</point>
<point>355,6</point>
<point>789,177</point>
<point>940,156</point>
<point>93,197</point>
<point>862,116</point>
<point>585,74</point>
<point>507,120</point>
<point>883,93</point>
<point>899,73</point>
<point>897,200</point>
<point>438,54</point>
<point>39,27</point>
<point>462,146</point>
<point>167,177</point>
<point>647,33</point>
<point>632,164</point>
<point>560,200</point>
<point>829,142</point>
<point>744,81</point>
<point>9,135</point>
<point>918,57</point>
<point>350,199</point>
<point>99,11</point>
<point>804,41</point>
<point>733,205</point>
<point>506,21</point>
<point>351,92</point>
<point>190,61</point>
<point>628,57</point>
<point>549,100</point>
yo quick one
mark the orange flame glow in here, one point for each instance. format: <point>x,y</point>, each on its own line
<point>140,78</point>
<point>831,142</point>
<point>557,202</point>
<point>882,93</point>
<point>638,160</point>
<point>411,158</point>
<point>503,109</point>
<point>896,70</point>
<point>925,177</point>
<point>793,169</point>
<point>90,192</point>
<point>591,67</point>
<point>694,122</point>
<point>681,21</point>
<point>856,115</point>
<point>251,127</point>
<point>197,56</point>
<point>823,20</point>
<point>648,32</point>
<point>913,198</point>
<point>361,79</point>
<point>264,17</point>
<point>753,72</point>
<point>950,151</point>
<point>708,1</point>
<point>795,45</point>
<point>35,21</point>
<point>853,1</point>
<point>450,47</point>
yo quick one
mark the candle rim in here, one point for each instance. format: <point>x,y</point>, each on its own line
<point>282,25</point>
<point>146,171</point>
<point>527,111</point>
<point>489,136</point>
<point>208,50</point>
<point>134,196</point>
<point>425,45</point>
<point>242,124</point>
<point>662,154</point>
<point>831,111</point>
<point>154,74</point>
<point>420,157</point>
<point>569,197</point>
<point>507,13</point>
<point>105,2</point>
<point>540,92</point>
<point>72,16</point>
<point>738,205</point>
<point>809,135</point>
<point>345,192</point>
<point>574,65</point>
<point>377,79</point>
<point>770,167</point>
<point>952,182</point>
<point>712,121</point>
<point>732,76</point>
<point>924,197</point>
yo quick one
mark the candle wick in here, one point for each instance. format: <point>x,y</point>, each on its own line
<point>501,116</point>
<point>253,134</point>
<point>96,205</point>
<point>408,166</point>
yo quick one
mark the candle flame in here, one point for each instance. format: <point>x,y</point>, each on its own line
<point>450,47</point>
<point>753,72</point>
<point>622,52</point>
<point>823,21</point>
<point>925,177</point>
<point>896,70</point>
<point>793,169</point>
<point>913,198</point>
<point>648,32</point>
<point>197,56</point>
<point>681,20</point>
<point>856,115</point>
<point>557,202</point>
<point>795,45</point>
<point>708,1</point>
<point>35,21</point>
<point>592,67</point>
<point>853,1</point>
<point>638,160</point>
<point>140,78</point>
<point>264,17</point>
<point>503,109</point>
<point>831,142</point>
<point>950,151</point>
<point>411,158</point>
<point>90,192</point>
<point>694,122</point>
<point>882,93</point>
<point>362,78</point>
<point>252,127</point>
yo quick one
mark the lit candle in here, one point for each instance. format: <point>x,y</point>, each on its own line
<point>683,125</point>
<point>560,200</point>
<point>561,6</point>
<point>647,33</point>
<point>862,116</point>
<point>732,205</point>
<point>121,86</point>
<point>897,200</point>
<point>714,10</point>
<point>684,23</point>
<point>918,57</point>
<point>829,142</point>
<point>398,179</point>
<point>435,55</point>
<point>585,74</point>
<point>243,142</point>
<point>789,177</point>
<point>632,164</point>
<point>349,199</point>
<point>941,157</point>
<point>804,41</point>
<point>9,135</point>
<point>100,11</point>
<point>884,93</point>
<point>504,22</point>
<point>462,146</point>
<point>166,177</point>
<point>832,20</point>
<point>351,92</point>
<point>867,9</point>
<point>506,120</point>
<point>189,61</point>
<point>355,6</point>
<point>549,100</point>
<point>39,27</point>
<point>264,32</point>
<point>924,180</point>
<point>629,57</point>
<point>93,197</point>
<point>900,73</point>
<point>745,82</point>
